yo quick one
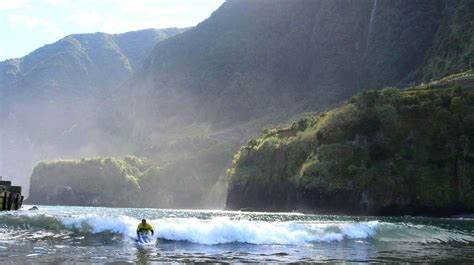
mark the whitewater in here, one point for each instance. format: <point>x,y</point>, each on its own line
<point>100,235</point>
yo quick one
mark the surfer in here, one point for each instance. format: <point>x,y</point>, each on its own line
<point>143,229</point>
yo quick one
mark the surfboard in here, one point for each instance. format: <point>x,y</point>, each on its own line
<point>144,240</point>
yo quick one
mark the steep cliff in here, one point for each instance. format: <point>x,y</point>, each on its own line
<point>89,181</point>
<point>251,56</point>
<point>385,152</point>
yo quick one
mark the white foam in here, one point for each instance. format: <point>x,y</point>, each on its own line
<point>224,230</point>
<point>359,230</point>
<point>98,224</point>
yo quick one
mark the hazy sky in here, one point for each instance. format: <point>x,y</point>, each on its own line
<point>26,25</point>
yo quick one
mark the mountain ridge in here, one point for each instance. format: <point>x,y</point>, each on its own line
<point>49,97</point>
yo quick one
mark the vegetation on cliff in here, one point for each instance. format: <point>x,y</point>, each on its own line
<point>384,151</point>
<point>88,181</point>
<point>119,182</point>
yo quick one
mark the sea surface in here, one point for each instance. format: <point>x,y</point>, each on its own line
<point>57,234</point>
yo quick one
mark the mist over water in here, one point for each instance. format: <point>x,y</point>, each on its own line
<point>33,131</point>
<point>85,234</point>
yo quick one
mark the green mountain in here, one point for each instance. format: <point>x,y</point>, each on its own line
<point>83,182</point>
<point>253,58</point>
<point>79,65</point>
<point>258,64</point>
<point>49,97</point>
<point>385,152</point>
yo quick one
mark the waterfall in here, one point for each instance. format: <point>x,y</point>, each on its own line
<point>372,16</point>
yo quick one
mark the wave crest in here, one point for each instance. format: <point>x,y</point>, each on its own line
<point>223,230</point>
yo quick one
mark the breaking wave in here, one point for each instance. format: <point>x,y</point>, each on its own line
<point>224,230</point>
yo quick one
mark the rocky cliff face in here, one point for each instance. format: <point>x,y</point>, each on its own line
<point>387,152</point>
<point>252,55</point>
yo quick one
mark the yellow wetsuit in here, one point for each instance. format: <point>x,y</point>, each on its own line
<point>147,228</point>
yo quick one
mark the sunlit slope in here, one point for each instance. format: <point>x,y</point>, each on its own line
<point>79,65</point>
<point>382,152</point>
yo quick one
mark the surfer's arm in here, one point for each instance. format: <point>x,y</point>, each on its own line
<point>149,228</point>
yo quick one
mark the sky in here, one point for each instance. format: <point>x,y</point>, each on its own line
<point>26,25</point>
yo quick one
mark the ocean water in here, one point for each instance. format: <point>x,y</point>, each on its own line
<point>57,234</point>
